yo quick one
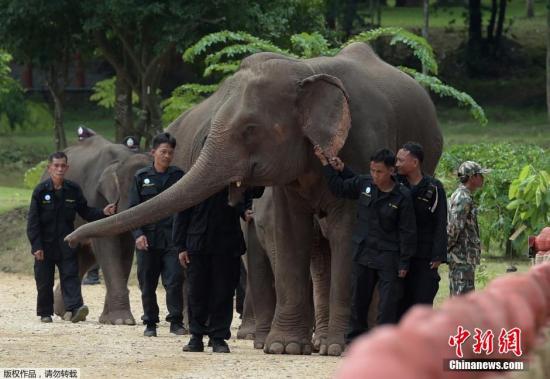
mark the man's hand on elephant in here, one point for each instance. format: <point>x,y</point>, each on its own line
<point>142,243</point>
<point>337,164</point>
<point>184,259</point>
<point>109,210</point>
<point>402,273</point>
<point>248,215</point>
<point>39,255</point>
<point>319,153</point>
<point>434,265</point>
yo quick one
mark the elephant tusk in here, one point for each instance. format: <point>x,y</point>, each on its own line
<point>238,183</point>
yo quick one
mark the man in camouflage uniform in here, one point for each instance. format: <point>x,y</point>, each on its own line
<point>464,248</point>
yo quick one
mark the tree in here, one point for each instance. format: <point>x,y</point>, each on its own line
<point>530,5</point>
<point>46,34</point>
<point>139,38</point>
<point>12,100</point>
<point>225,60</point>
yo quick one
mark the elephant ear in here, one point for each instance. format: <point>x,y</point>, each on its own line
<point>323,106</point>
<point>109,186</point>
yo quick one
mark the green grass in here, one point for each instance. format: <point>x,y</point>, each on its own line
<point>13,198</point>
<point>492,268</point>
<point>529,125</point>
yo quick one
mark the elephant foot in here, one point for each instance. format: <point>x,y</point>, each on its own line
<point>285,343</point>
<point>122,317</point>
<point>246,332</point>
<point>259,341</point>
<point>318,341</point>
<point>332,347</point>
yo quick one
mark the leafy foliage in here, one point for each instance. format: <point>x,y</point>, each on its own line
<point>506,161</point>
<point>12,101</point>
<point>33,175</point>
<point>418,45</point>
<point>104,93</point>
<point>223,61</point>
<point>530,201</point>
<point>443,90</point>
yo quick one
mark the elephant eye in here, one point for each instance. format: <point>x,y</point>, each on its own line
<point>249,131</point>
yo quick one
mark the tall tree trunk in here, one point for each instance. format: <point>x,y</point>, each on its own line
<point>331,10</point>
<point>57,91</point>
<point>500,22</point>
<point>530,5</point>
<point>151,113</point>
<point>351,13</point>
<point>548,58</point>
<point>492,21</point>
<point>124,117</point>
<point>474,27</point>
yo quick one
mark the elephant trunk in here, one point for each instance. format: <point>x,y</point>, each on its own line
<point>204,179</point>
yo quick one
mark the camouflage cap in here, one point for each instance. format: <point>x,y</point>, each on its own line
<point>470,168</point>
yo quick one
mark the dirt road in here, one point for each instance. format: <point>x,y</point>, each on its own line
<point>104,351</point>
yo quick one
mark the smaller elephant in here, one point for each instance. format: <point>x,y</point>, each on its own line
<point>105,170</point>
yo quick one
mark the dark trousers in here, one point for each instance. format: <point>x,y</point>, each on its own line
<point>212,281</point>
<point>164,263</point>
<point>420,285</point>
<point>363,282</point>
<point>44,272</point>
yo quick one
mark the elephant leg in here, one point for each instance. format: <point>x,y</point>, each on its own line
<point>260,282</point>
<point>320,276</point>
<point>247,329</point>
<point>290,331</point>
<point>86,259</point>
<point>115,255</point>
<point>340,222</point>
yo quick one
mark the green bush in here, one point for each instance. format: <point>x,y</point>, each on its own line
<point>33,174</point>
<point>506,160</point>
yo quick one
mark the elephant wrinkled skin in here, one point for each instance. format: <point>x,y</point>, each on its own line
<point>259,128</point>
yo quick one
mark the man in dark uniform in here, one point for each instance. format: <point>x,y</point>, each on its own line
<point>210,241</point>
<point>52,212</point>
<point>384,238</point>
<point>155,253</point>
<point>430,206</point>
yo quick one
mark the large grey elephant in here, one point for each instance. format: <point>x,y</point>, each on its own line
<point>105,170</point>
<point>260,129</point>
<point>261,257</point>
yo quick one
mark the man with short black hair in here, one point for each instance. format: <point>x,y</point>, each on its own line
<point>430,204</point>
<point>384,238</point>
<point>155,252</point>
<point>53,208</point>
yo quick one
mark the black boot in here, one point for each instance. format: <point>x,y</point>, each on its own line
<point>177,328</point>
<point>150,330</point>
<point>220,346</point>
<point>194,345</point>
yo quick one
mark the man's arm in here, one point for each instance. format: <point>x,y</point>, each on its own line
<point>407,232</point>
<point>457,220</point>
<point>33,224</point>
<point>86,212</point>
<point>133,200</point>
<point>439,244</point>
<point>347,188</point>
<point>179,229</point>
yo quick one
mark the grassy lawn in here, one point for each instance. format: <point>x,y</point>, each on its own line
<point>13,198</point>
<point>490,269</point>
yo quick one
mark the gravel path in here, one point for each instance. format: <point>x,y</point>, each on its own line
<point>105,351</point>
